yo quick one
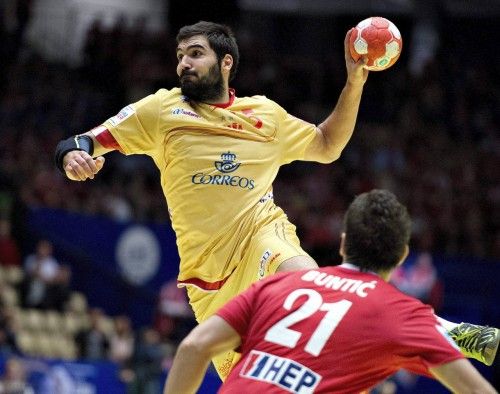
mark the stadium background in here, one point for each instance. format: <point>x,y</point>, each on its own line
<point>428,129</point>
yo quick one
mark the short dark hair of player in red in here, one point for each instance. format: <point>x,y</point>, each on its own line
<point>377,229</point>
<point>220,37</point>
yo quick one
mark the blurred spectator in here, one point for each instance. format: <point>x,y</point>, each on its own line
<point>58,293</point>
<point>14,381</point>
<point>9,251</point>
<point>175,318</point>
<point>93,342</point>
<point>14,17</point>
<point>386,387</point>
<point>148,357</point>
<point>420,280</point>
<point>122,342</point>
<point>43,278</point>
<point>8,345</point>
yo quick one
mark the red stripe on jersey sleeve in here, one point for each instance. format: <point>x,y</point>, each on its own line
<point>105,138</point>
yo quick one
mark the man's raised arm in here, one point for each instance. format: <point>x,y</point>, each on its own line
<point>336,130</point>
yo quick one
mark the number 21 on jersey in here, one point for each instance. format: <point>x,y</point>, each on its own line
<point>281,334</point>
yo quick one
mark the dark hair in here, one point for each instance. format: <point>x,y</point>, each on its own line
<point>377,228</point>
<point>220,37</point>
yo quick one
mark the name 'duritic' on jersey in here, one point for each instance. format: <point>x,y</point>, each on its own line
<point>333,282</point>
<point>226,165</point>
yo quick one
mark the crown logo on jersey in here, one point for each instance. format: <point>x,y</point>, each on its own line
<point>227,163</point>
<point>228,157</point>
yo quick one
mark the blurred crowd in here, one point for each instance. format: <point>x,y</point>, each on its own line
<point>430,137</point>
<point>41,316</point>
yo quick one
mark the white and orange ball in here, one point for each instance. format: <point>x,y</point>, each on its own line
<point>377,38</point>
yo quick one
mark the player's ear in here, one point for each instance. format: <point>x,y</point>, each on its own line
<point>342,245</point>
<point>227,63</point>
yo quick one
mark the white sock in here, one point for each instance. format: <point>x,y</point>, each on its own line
<point>448,325</point>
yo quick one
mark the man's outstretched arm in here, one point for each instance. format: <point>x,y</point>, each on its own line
<point>336,130</point>
<point>211,337</point>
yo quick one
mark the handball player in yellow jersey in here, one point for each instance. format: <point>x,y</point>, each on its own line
<point>218,155</point>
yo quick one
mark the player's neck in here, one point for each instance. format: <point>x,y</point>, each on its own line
<point>385,275</point>
<point>223,99</point>
<point>226,100</point>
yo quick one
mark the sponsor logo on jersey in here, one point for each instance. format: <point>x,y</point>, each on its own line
<point>183,111</point>
<point>265,261</point>
<point>125,113</point>
<point>287,374</point>
<point>231,122</point>
<point>226,165</point>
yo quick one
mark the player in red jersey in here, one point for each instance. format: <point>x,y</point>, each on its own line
<point>331,330</point>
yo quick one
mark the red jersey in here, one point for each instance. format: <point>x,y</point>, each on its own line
<point>330,330</point>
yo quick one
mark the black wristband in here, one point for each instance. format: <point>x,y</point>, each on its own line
<point>78,142</point>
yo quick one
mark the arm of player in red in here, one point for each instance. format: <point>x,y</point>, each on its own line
<point>459,376</point>
<point>193,356</point>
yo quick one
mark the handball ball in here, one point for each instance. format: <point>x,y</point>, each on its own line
<point>377,38</point>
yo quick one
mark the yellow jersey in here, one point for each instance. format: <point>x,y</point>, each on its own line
<point>217,166</point>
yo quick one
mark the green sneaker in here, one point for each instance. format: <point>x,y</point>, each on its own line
<point>477,342</point>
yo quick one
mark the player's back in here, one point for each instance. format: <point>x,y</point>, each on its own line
<point>331,330</point>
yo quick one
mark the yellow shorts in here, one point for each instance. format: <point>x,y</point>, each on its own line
<point>274,244</point>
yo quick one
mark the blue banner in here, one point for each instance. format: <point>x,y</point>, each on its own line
<point>49,376</point>
<point>119,266</point>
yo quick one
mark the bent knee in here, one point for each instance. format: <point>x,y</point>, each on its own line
<point>297,263</point>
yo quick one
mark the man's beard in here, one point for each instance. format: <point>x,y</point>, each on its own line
<point>205,89</point>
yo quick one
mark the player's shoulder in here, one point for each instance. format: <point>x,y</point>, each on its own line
<point>260,104</point>
<point>160,95</point>
<point>386,295</point>
<point>160,100</point>
<point>174,93</point>
<point>397,310</point>
<point>404,303</point>
<point>256,100</point>
<point>169,98</point>
<point>260,97</point>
